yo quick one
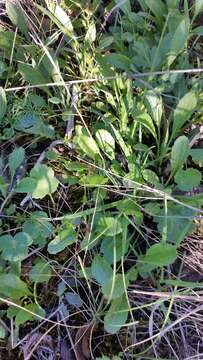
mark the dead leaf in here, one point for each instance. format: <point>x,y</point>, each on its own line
<point>82,342</point>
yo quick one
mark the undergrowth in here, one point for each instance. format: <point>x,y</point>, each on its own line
<point>101,179</point>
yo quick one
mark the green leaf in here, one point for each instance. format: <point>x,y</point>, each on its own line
<point>111,226</point>
<point>126,150</point>
<point>3,103</point>
<point>130,208</point>
<point>118,246</point>
<point>38,227</point>
<point>106,143</point>
<point>12,287</point>
<point>40,183</point>
<point>101,270</point>
<point>105,42</point>
<point>179,153</point>
<point>179,222</point>
<point>154,105</point>
<point>158,8</point>
<point>87,144</point>
<point>2,332</point>
<point>15,159</point>
<point>179,40</point>
<point>131,275</point>
<point>197,156</point>
<point>40,272</point>
<point>117,315</point>
<point>161,254</point>
<point>26,185</point>
<point>93,180</point>
<point>150,177</point>
<point>31,123</point>
<point>46,183</point>
<point>147,122</point>
<point>15,248</point>
<point>125,6</point>
<point>198,31</point>
<point>185,108</point>
<point>114,287</point>
<point>119,61</point>
<point>66,236</point>
<point>198,7</point>
<point>173,4</point>
<point>34,76</point>
<point>73,299</point>
<point>22,316</point>
<point>17,16</point>
<point>183,284</point>
<point>187,179</point>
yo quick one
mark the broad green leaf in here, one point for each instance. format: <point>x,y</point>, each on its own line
<point>125,6</point>
<point>198,31</point>
<point>185,108</point>
<point>40,272</point>
<point>101,270</point>
<point>187,179</point>
<point>40,183</point>
<point>179,153</point>
<point>15,248</point>
<point>93,180</point>
<point>91,33</point>
<point>114,287</point>
<point>158,8</point>
<point>106,143</point>
<point>118,246</point>
<point>117,315</point>
<point>173,4</point>
<point>46,183</point>
<point>54,100</point>
<point>150,177</point>
<point>33,75</point>
<point>22,316</point>
<point>66,236</point>
<point>87,144</point>
<point>197,156</point>
<point>119,61</point>
<point>106,41</point>
<point>26,185</point>
<point>38,227</point>
<point>17,16</point>
<point>131,275</point>
<point>126,150</point>
<point>12,287</point>
<point>73,299</point>
<point>3,103</point>
<point>15,159</point>
<point>111,225</point>
<point>179,40</point>
<point>32,123</point>
<point>179,222</point>
<point>161,254</point>
<point>198,7</point>
<point>146,120</point>
<point>130,208</point>
<point>154,105</point>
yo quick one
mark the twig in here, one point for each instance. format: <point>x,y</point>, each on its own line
<point>124,76</point>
